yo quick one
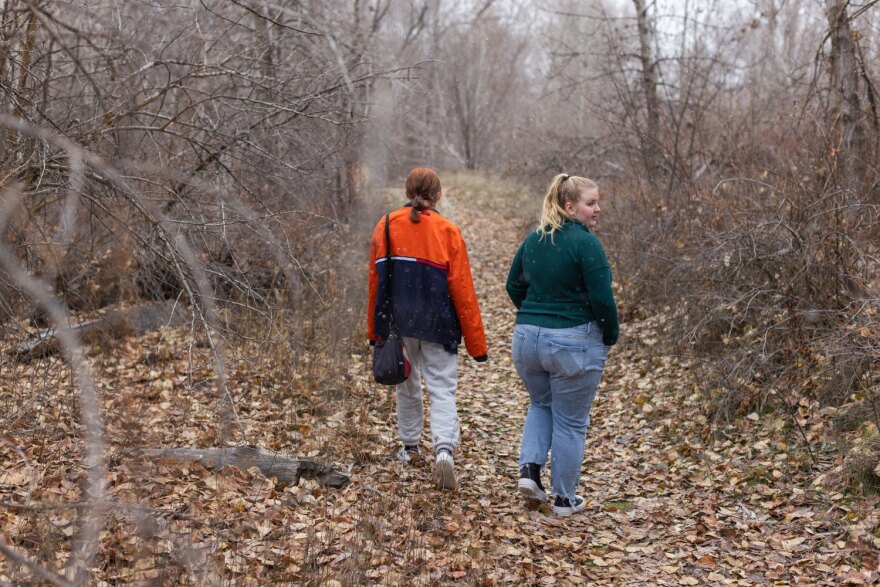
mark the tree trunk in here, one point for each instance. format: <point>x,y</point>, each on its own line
<point>650,139</point>
<point>845,106</point>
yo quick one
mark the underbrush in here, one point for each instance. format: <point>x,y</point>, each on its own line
<point>281,369</point>
<point>770,281</point>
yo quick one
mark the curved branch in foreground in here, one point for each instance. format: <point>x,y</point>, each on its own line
<point>36,569</point>
<point>85,545</point>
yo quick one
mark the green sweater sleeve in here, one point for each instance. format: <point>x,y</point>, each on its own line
<point>516,283</point>
<point>597,278</point>
<point>598,284</point>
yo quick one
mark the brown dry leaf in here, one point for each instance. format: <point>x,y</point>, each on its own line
<point>707,562</point>
<point>792,542</point>
<point>17,477</point>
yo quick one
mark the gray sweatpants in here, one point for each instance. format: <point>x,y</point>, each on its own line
<point>438,366</point>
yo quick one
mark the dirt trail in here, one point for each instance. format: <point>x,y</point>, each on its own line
<point>672,500</point>
<point>664,507</point>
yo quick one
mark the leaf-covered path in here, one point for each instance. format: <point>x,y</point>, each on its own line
<point>668,504</point>
<point>673,499</point>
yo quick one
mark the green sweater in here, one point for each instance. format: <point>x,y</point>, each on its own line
<point>563,283</point>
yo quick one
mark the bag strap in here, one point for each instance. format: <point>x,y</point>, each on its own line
<point>389,272</point>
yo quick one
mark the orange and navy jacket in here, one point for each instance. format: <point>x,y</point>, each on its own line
<point>434,297</point>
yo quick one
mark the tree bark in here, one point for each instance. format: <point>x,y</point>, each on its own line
<point>845,111</point>
<point>285,468</point>
<point>650,139</point>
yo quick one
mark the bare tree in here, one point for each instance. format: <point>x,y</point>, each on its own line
<point>480,82</point>
<point>847,118</point>
<point>650,141</point>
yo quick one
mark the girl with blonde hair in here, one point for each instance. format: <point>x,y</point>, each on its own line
<point>560,283</point>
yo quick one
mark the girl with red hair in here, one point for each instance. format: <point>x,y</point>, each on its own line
<point>434,305</point>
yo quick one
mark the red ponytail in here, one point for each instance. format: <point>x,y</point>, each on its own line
<point>423,188</point>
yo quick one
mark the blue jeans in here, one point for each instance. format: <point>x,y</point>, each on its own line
<point>561,368</point>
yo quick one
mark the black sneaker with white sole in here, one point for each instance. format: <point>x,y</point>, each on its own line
<point>530,486</point>
<point>562,506</point>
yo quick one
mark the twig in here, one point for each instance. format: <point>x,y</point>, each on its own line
<point>36,569</point>
<point>26,462</point>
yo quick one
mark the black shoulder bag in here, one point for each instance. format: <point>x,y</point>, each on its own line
<point>390,365</point>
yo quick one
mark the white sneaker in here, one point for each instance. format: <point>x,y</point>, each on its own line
<point>407,454</point>
<point>444,471</point>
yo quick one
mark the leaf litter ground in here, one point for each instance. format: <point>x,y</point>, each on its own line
<point>673,499</point>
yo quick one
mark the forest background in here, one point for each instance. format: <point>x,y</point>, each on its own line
<point>232,156</point>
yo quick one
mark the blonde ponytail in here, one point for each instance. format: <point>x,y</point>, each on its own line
<point>563,189</point>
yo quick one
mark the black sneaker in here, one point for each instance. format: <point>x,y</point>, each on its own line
<point>529,485</point>
<point>563,507</point>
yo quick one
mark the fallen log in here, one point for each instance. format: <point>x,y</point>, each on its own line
<point>44,343</point>
<point>113,324</point>
<point>283,467</point>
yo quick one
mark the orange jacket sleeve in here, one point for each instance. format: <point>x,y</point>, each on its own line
<point>464,298</point>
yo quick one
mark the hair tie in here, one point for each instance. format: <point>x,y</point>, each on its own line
<point>566,177</point>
